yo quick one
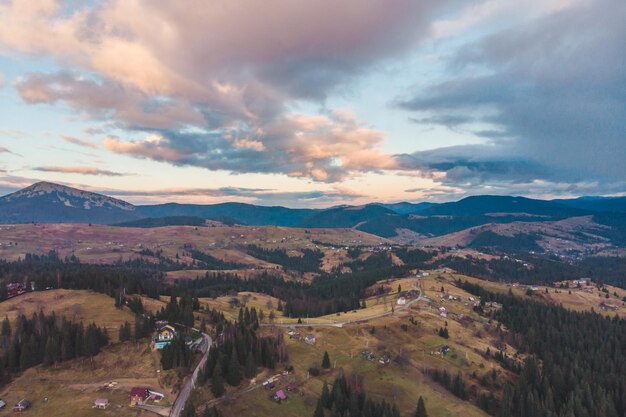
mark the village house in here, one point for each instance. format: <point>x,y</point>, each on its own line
<point>401,301</point>
<point>138,396</point>
<point>268,383</point>
<point>443,312</point>
<point>2,404</point>
<point>101,403</point>
<point>23,405</point>
<point>309,340</point>
<point>14,289</point>
<point>280,396</point>
<point>166,333</point>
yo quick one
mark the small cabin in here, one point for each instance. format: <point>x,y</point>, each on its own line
<point>401,301</point>
<point>280,396</point>
<point>23,405</point>
<point>101,403</point>
<point>309,340</point>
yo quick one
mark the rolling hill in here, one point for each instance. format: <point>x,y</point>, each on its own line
<point>598,204</point>
<point>52,203</point>
<point>241,213</point>
<point>495,205</point>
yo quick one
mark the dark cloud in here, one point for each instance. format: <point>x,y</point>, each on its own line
<point>553,90</point>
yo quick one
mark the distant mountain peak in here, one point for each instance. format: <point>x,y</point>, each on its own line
<point>68,196</point>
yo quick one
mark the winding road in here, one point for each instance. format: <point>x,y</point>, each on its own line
<point>184,393</point>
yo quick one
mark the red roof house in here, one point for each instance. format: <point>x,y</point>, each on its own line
<point>138,396</point>
<point>280,395</point>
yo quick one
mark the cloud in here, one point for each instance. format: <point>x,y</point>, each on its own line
<point>173,72</point>
<point>551,93</point>
<point>262,196</point>
<point>83,170</point>
<point>1,80</point>
<point>79,142</point>
<point>324,148</point>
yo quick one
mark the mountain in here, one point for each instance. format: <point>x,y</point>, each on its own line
<point>407,208</point>
<point>150,222</point>
<point>598,204</point>
<point>496,205</point>
<point>45,202</point>
<point>347,216</point>
<point>241,213</point>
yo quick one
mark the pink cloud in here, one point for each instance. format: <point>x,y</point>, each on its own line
<point>83,170</point>
<point>228,69</point>
<point>153,147</point>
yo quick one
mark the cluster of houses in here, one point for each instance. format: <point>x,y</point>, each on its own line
<point>606,306</point>
<point>405,296</point>
<point>14,289</point>
<point>443,350</point>
<point>22,405</point>
<point>279,395</point>
<point>576,283</point>
<point>308,339</point>
<point>384,359</point>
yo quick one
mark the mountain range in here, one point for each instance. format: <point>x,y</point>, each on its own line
<point>46,202</point>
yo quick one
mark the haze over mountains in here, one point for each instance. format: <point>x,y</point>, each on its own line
<point>45,202</point>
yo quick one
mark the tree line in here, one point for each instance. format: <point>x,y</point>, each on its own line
<point>576,363</point>
<point>46,339</point>
<point>347,398</point>
<point>309,261</point>
<point>239,352</point>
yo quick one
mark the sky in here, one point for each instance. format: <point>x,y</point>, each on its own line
<point>314,103</point>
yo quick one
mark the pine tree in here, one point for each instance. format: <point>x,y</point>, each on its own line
<point>217,385</point>
<point>250,366</point>
<point>421,408</point>
<point>326,361</point>
<point>325,398</point>
<point>233,377</point>
<point>319,409</point>
<point>6,327</point>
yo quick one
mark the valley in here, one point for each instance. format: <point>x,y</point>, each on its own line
<point>439,318</point>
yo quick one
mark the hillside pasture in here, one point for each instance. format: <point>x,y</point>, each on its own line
<point>75,305</point>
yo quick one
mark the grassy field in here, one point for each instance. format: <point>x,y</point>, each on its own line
<point>577,300</point>
<point>399,384</point>
<point>106,244</point>
<point>72,387</point>
<point>417,343</point>
<point>75,305</point>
